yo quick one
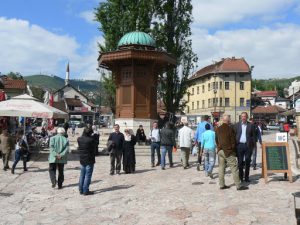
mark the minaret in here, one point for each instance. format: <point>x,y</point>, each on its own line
<point>67,75</point>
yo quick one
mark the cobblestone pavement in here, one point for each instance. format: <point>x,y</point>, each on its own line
<point>150,196</point>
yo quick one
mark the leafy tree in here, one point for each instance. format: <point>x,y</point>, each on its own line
<point>116,18</point>
<point>15,75</point>
<point>169,22</point>
<point>172,33</point>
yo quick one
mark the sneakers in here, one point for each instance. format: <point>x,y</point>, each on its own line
<point>12,170</point>
<point>224,187</point>
<point>163,168</point>
<point>157,164</point>
<point>152,165</point>
<point>242,188</point>
<point>88,193</point>
<point>211,176</point>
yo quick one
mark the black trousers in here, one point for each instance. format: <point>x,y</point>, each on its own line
<point>244,159</point>
<point>52,173</point>
<point>115,161</point>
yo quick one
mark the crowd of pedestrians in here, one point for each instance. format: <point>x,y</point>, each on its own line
<point>235,145</point>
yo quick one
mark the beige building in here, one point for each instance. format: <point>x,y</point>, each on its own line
<point>223,87</point>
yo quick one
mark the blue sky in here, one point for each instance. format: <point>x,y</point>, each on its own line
<point>41,36</point>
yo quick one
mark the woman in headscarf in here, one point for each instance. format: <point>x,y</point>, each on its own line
<point>129,152</point>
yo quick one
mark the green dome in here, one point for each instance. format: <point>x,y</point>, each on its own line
<point>136,38</point>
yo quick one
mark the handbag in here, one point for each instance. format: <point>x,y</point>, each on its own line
<point>195,150</point>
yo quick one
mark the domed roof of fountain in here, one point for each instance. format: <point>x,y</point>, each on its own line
<point>137,38</point>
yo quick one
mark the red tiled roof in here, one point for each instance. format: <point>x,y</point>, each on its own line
<point>73,102</point>
<point>267,94</point>
<point>14,84</point>
<point>60,105</point>
<point>271,109</point>
<point>227,65</point>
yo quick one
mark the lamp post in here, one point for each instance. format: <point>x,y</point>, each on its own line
<point>297,206</point>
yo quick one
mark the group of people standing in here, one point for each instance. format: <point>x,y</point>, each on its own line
<point>234,144</point>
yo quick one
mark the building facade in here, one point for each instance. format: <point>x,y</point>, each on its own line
<point>223,87</point>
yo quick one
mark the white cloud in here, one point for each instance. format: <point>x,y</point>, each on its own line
<point>30,49</point>
<point>273,51</point>
<point>215,13</point>
<point>88,16</point>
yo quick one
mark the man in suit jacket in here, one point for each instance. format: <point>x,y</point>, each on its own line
<point>245,139</point>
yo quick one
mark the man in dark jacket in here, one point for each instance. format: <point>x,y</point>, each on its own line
<point>87,160</point>
<point>116,154</point>
<point>167,144</point>
<point>225,140</point>
<point>245,139</point>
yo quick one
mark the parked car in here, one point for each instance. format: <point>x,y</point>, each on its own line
<point>273,127</point>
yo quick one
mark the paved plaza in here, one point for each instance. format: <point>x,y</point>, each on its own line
<point>150,196</point>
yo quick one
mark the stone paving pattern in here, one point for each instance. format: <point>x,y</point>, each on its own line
<point>150,196</point>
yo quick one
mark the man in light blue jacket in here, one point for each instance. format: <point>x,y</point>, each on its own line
<point>198,136</point>
<point>208,145</point>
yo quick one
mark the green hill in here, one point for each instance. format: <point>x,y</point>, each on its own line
<point>54,83</point>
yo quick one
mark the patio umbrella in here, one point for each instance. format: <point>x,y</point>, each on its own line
<point>27,106</point>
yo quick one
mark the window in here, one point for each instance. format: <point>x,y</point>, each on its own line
<point>203,104</point>
<point>76,97</point>
<point>192,91</point>
<point>208,86</point>
<point>226,75</point>
<point>248,103</point>
<point>203,88</point>
<point>220,85</point>
<point>241,75</point>
<point>227,85</point>
<point>227,103</point>
<point>221,102</point>
<point>242,102</point>
<point>215,102</point>
<point>197,104</point>
<point>241,85</point>
<point>216,85</point>
<point>192,105</point>
<point>208,103</point>
<point>198,90</point>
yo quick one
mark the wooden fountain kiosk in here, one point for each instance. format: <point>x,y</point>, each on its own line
<point>135,66</point>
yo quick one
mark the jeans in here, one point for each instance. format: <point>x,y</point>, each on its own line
<point>155,146</point>
<point>231,162</point>
<point>52,173</point>
<point>243,152</point>
<point>164,150</point>
<point>254,154</point>
<point>18,155</point>
<point>86,173</point>
<point>209,160</point>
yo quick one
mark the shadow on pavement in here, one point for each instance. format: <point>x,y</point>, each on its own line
<point>144,171</point>
<point>113,188</point>
<point>76,184</point>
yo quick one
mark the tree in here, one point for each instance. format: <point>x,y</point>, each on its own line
<point>172,33</point>
<point>116,18</point>
<point>15,76</point>
<point>169,22</point>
